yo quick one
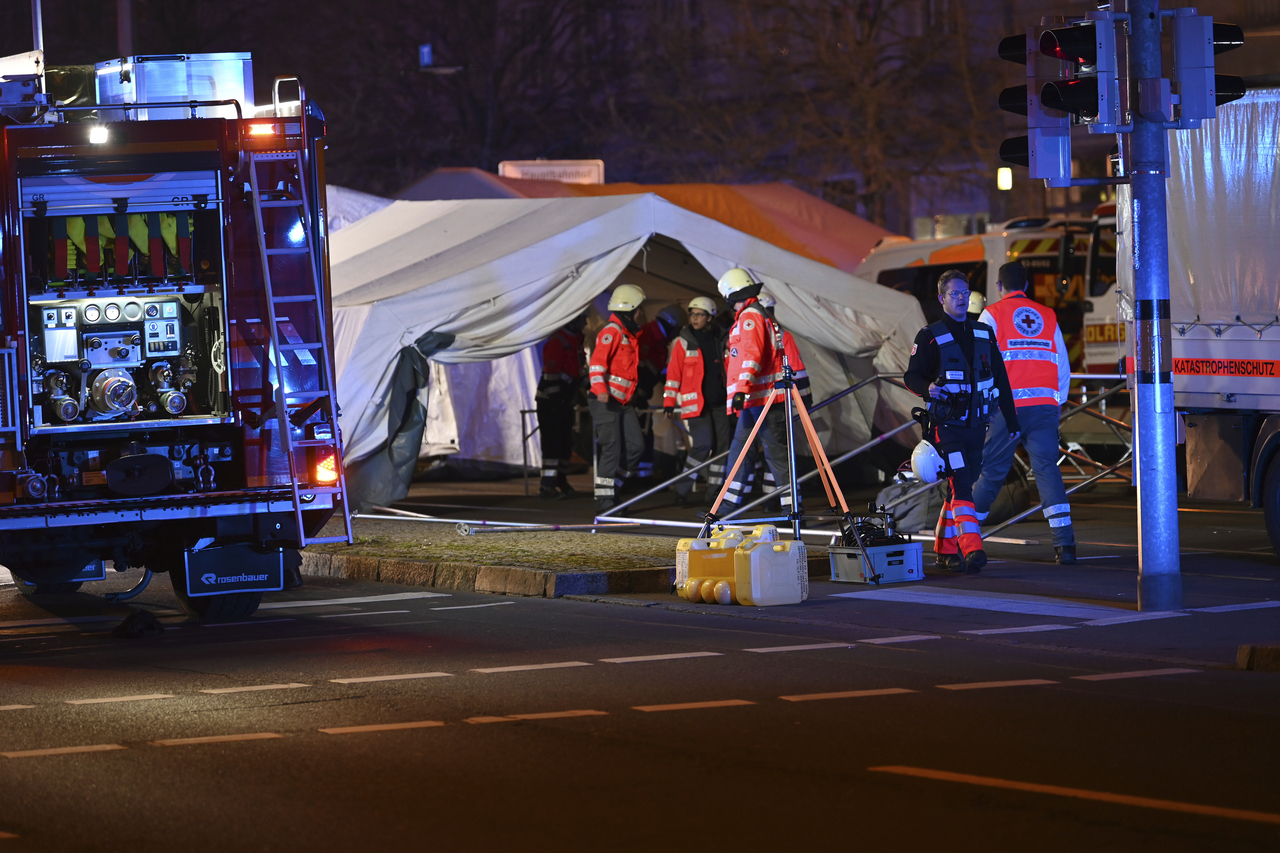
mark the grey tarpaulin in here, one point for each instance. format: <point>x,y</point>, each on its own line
<point>383,477</point>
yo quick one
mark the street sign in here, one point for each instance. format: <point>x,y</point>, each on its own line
<point>565,171</point>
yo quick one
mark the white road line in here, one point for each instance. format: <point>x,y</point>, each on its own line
<point>548,715</point>
<point>1028,629</point>
<point>19,638</point>
<point>363,613</point>
<point>532,666</point>
<point>1133,617</point>
<point>1104,557</point>
<point>804,648</point>
<point>1137,673</point>
<point>643,658</point>
<point>63,750</point>
<point>905,638</point>
<point>690,706</point>
<point>15,707</point>
<point>1027,605</point>
<point>142,698</point>
<point>249,622</point>
<point>846,694</point>
<point>325,602</point>
<point>221,690</point>
<point>473,606</point>
<point>371,678</point>
<point>983,685</point>
<point>1231,608</point>
<point>187,741</point>
<point>383,727</point>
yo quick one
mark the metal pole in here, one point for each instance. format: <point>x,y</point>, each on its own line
<point>1159,572</point>
<point>791,449</point>
<point>124,27</point>
<point>1075,488</point>
<point>609,513</point>
<point>852,453</point>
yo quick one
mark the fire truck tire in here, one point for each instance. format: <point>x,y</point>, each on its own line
<point>1271,503</point>
<point>29,589</point>
<point>231,607</point>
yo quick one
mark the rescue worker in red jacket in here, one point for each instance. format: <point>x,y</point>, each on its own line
<point>753,365</point>
<point>957,368</point>
<point>614,372</point>
<point>758,468</point>
<point>1039,367</point>
<point>562,363</point>
<point>695,390</point>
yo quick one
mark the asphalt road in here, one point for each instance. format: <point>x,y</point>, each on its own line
<point>351,716</point>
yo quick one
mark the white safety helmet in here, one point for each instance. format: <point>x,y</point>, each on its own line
<point>703,303</point>
<point>977,302</point>
<point>734,282</point>
<point>927,463</point>
<point>626,297</point>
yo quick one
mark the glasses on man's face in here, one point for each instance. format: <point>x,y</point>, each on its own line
<point>957,294</point>
<point>694,314</point>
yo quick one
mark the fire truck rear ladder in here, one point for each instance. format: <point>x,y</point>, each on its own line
<point>312,302</point>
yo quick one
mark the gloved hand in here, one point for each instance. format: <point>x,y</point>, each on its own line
<point>739,402</point>
<point>669,411</point>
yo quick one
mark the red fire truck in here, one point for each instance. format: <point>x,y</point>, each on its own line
<point>166,378</point>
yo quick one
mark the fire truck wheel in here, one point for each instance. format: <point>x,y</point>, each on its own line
<point>231,607</point>
<point>1271,503</point>
<point>29,589</point>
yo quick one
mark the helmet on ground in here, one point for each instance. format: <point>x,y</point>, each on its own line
<point>927,463</point>
<point>737,285</point>
<point>766,299</point>
<point>626,297</point>
<point>703,303</point>
<point>977,302</point>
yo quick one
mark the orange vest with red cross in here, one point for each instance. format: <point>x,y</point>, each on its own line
<point>615,361</point>
<point>755,357</point>
<point>1025,334</point>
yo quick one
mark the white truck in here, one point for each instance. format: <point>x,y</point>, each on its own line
<point>1224,271</point>
<point>1224,277</point>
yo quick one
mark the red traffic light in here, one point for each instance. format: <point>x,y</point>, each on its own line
<point>1071,44</point>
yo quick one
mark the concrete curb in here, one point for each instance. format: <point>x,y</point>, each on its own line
<point>1259,658</point>
<point>497,580</point>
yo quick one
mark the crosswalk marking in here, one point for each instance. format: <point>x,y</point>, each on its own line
<point>846,694</point>
<point>1137,673</point>
<point>983,685</point>
<point>382,727</point>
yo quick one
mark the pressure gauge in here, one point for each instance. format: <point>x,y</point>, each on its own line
<point>112,312</point>
<point>92,313</point>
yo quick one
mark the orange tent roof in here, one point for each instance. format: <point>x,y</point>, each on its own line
<point>779,213</point>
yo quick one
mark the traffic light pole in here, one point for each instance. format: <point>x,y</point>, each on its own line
<point>1159,573</point>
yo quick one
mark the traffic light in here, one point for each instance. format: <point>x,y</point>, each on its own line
<point>1046,149</point>
<point>1196,40</point>
<point>1090,90</point>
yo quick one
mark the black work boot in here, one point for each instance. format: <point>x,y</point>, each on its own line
<point>974,561</point>
<point>1066,554</point>
<point>950,563</point>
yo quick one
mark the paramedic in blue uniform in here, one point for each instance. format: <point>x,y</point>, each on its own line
<point>956,367</point>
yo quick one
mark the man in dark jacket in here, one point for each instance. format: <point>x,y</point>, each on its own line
<point>956,367</point>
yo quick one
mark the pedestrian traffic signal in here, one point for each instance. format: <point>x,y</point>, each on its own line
<point>1196,40</point>
<point>1046,149</point>
<point>1090,91</point>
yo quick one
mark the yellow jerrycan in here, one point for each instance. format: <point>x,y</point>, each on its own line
<point>705,567</point>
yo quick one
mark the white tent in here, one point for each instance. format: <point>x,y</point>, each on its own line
<point>500,275</point>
